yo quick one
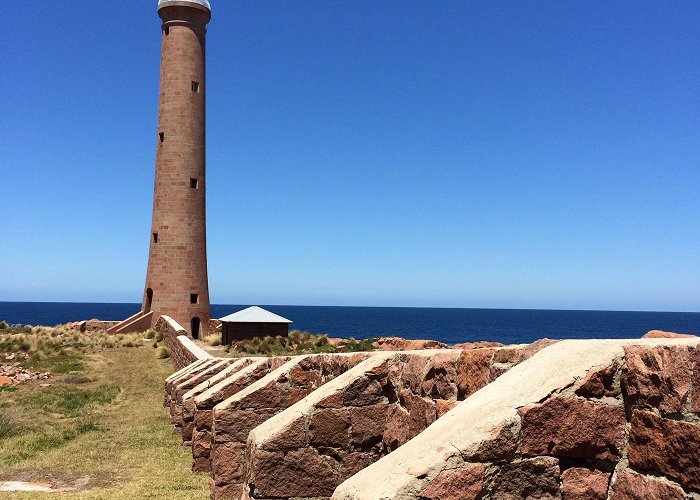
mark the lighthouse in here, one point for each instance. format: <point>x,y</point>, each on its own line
<point>176,279</point>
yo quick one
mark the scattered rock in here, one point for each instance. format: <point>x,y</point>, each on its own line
<point>90,326</point>
<point>660,334</point>
<point>477,345</point>
<point>14,374</point>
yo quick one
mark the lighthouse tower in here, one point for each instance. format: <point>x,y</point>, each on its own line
<point>176,279</point>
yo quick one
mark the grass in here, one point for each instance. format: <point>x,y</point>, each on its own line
<point>106,423</point>
<point>8,427</point>
<point>298,342</point>
<point>67,367</point>
<point>58,350</point>
<point>69,400</point>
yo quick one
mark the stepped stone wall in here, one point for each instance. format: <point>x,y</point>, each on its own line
<point>236,416</point>
<point>361,416</point>
<point>569,420</point>
<point>187,406</point>
<point>204,403</point>
<point>180,387</point>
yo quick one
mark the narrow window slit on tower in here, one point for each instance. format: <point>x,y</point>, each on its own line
<point>194,183</point>
<point>194,298</point>
<point>195,86</point>
<point>161,136</point>
<point>155,237</point>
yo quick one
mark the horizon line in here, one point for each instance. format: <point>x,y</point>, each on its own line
<point>371,307</point>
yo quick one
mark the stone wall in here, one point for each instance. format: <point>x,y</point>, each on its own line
<point>187,407</point>
<point>361,416</point>
<point>236,416</point>
<point>199,411</point>
<point>179,388</point>
<point>573,420</point>
<point>183,351</point>
<point>598,420</point>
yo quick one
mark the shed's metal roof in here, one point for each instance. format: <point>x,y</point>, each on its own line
<point>254,314</point>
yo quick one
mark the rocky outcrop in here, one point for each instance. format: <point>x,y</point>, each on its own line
<point>660,334</point>
<point>91,325</point>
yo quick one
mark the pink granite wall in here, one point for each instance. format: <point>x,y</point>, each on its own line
<point>365,419</point>
<point>237,416</point>
<point>628,431</point>
<point>202,414</point>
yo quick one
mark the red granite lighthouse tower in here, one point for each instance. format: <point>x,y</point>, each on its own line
<point>176,280</point>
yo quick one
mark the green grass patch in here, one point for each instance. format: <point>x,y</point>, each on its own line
<point>8,388</point>
<point>70,400</point>
<point>68,367</point>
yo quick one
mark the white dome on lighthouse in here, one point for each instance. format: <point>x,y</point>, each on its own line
<point>194,3</point>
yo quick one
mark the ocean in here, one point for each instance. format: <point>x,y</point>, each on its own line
<point>452,325</point>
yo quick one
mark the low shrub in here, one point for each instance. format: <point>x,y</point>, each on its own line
<point>357,345</point>
<point>159,336</point>
<point>212,340</point>
<point>149,334</point>
<point>163,353</point>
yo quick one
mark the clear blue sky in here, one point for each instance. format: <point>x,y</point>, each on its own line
<point>455,153</point>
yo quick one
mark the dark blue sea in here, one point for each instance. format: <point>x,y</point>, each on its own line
<point>446,325</point>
